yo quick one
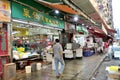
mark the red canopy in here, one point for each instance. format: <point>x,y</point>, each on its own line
<point>97,32</point>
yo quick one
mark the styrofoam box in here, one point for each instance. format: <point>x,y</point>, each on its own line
<point>68,51</point>
<point>28,69</point>
<point>69,54</point>
<point>69,45</point>
<point>79,52</point>
<point>38,66</point>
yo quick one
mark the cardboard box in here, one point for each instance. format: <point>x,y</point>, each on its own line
<point>114,76</point>
<point>9,71</point>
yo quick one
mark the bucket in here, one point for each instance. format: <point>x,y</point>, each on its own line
<point>28,69</point>
<point>38,66</point>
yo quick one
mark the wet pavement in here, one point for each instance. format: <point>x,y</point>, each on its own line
<point>101,73</point>
<point>77,69</point>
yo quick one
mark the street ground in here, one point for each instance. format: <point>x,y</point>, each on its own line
<point>101,73</point>
<point>77,69</point>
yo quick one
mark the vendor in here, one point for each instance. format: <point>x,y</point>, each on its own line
<point>88,44</point>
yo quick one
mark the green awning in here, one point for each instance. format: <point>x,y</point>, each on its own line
<point>35,5</point>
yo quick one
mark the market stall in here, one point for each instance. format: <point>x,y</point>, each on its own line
<point>76,40</point>
<point>32,42</point>
<point>73,50</point>
<point>88,49</point>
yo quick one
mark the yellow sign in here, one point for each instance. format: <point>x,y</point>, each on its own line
<point>22,31</point>
<point>5,11</point>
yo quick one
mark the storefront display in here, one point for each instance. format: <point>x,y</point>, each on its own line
<point>31,41</point>
<point>76,37</point>
<point>79,38</point>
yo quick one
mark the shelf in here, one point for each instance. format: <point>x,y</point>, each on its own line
<point>29,58</point>
<point>4,55</point>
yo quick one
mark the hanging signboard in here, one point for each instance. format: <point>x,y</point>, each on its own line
<point>5,11</point>
<point>26,13</point>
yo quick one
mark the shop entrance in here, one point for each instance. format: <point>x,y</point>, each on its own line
<point>32,42</point>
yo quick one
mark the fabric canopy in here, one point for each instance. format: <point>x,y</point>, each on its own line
<point>97,32</point>
<point>109,29</point>
<point>64,8</point>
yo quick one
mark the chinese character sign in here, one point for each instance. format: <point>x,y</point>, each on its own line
<point>5,11</point>
<point>26,13</point>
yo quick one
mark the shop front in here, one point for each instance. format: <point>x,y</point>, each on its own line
<point>76,39</point>
<point>33,32</point>
<point>95,41</point>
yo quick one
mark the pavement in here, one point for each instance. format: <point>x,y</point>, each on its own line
<point>76,69</point>
<point>101,73</point>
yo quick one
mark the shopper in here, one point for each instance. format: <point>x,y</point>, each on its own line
<point>58,56</point>
<point>110,51</point>
<point>100,46</point>
<point>106,45</point>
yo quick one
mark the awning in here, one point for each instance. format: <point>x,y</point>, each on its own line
<point>112,30</point>
<point>110,36</point>
<point>97,32</point>
<point>109,29</point>
<point>64,8</point>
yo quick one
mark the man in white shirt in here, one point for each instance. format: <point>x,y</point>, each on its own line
<point>58,55</point>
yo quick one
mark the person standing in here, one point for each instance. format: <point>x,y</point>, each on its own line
<point>110,51</point>
<point>106,45</point>
<point>58,56</point>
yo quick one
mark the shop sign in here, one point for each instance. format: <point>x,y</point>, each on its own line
<point>82,29</point>
<point>26,13</point>
<point>5,11</point>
